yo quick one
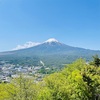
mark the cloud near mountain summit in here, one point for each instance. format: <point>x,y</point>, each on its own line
<point>26,45</point>
<point>31,44</point>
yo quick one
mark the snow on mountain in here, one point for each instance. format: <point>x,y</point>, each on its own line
<point>51,40</point>
<point>32,44</point>
<point>50,52</point>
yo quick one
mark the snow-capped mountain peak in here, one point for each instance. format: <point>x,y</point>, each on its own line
<point>32,44</point>
<point>51,40</point>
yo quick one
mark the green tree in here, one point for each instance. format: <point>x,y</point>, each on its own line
<point>91,78</point>
<point>21,88</point>
<point>96,61</point>
<point>56,84</point>
<point>3,93</point>
<point>78,81</point>
<point>83,80</point>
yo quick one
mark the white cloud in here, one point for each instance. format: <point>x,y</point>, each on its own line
<point>26,45</point>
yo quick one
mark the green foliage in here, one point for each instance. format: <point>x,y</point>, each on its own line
<point>3,93</point>
<point>21,88</point>
<point>91,77</point>
<point>77,81</point>
<point>96,61</point>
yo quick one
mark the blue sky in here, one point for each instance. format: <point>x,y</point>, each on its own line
<point>73,22</point>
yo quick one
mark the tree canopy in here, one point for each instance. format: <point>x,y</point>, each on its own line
<point>77,81</point>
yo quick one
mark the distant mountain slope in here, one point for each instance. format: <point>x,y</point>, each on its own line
<point>51,52</point>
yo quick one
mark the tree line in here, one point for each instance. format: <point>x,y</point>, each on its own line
<point>77,81</point>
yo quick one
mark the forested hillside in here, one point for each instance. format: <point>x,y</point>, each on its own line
<point>52,53</point>
<point>77,81</point>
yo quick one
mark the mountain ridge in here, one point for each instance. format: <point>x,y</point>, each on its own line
<point>48,41</point>
<point>52,52</point>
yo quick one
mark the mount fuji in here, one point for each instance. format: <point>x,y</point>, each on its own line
<point>51,52</point>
